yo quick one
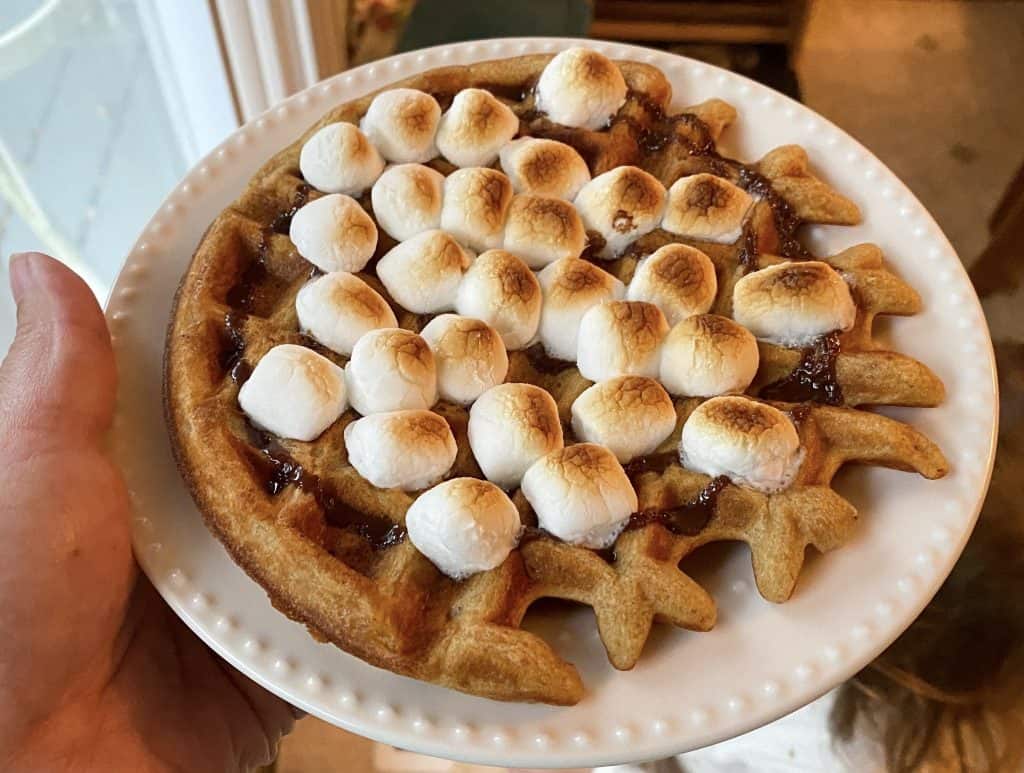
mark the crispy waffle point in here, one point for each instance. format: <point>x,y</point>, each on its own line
<point>329,548</point>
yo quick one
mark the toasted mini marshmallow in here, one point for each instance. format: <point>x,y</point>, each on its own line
<point>621,205</point>
<point>630,415</point>
<point>707,355</point>
<point>502,291</point>
<point>402,124</point>
<point>423,273</point>
<point>581,494</point>
<point>571,287</point>
<point>391,370</point>
<point>510,427</point>
<point>334,233</point>
<point>582,88</point>
<point>620,338</point>
<point>706,207</point>
<point>469,354</point>
<point>678,279</point>
<point>793,303</point>
<point>340,159</point>
<point>409,450</point>
<point>336,309</point>
<point>751,443</point>
<point>407,200</point>
<point>476,202</point>
<point>475,128</point>
<point>464,526</point>
<point>542,229</point>
<point>544,167</point>
<point>294,393</point>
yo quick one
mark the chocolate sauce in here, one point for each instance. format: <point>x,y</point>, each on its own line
<point>799,414</point>
<point>814,379</point>
<point>687,519</point>
<point>696,136</point>
<point>748,253</point>
<point>240,372</point>
<point>283,221</point>
<point>786,220</point>
<point>542,362</point>
<point>511,92</point>
<point>244,295</point>
<point>234,342</point>
<point>654,463</point>
<point>279,470</point>
<point>685,127</point>
<point>595,243</point>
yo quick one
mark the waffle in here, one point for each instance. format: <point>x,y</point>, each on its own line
<point>329,548</point>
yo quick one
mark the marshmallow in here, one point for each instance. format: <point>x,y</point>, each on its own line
<point>571,286</point>
<point>581,494</point>
<point>402,124</point>
<point>476,202</point>
<point>475,128</point>
<point>544,167</point>
<point>678,279</point>
<point>793,303</point>
<point>294,393</point>
<point>621,205</point>
<point>334,233</point>
<point>751,443</point>
<point>630,415</point>
<point>542,229</point>
<point>706,207</point>
<point>502,291</point>
<point>620,338</point>
<point>423,273</point>
<point>464,526</point>
<point>339,158</point>
<point>510,427</point>
<point>708,355</point>
<point>409,450</point>
<point>391,369</point>
<point>469,354</point>
<point>581,88</point>
<point>407,199</point>
<point>336,309</point>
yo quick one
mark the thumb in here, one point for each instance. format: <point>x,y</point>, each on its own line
<point>58,381</point>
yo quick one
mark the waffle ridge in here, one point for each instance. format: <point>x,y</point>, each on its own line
<point>285,510</point>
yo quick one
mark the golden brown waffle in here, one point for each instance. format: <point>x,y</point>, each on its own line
<point>328,547</point>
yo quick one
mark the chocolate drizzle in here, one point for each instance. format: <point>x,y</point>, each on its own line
<point>595,243</point>
<point>814,378</point>
<point>279,470</point>
<point>283,221</point>
<point>542,362</point>
<point>656,463</point>
<point>234,342</point>
<point>687,519</point>
<point>786,220</point>
<point>244,295</point>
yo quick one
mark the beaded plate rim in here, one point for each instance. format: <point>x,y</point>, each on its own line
<point>231,614</point>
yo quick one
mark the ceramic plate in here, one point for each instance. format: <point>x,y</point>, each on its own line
<point>689,689</point>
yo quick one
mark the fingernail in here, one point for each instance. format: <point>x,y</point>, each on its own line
<point>20,271</point>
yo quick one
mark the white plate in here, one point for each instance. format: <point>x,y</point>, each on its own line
<point>762,660</point>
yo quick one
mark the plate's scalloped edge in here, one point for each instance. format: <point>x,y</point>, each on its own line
<point>655,736</point>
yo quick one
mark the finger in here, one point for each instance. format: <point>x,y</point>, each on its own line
<point>59,375</point>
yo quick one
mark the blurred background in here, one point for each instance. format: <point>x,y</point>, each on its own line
<point>106,103</point>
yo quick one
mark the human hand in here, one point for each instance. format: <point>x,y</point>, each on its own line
<point>97,672</point>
